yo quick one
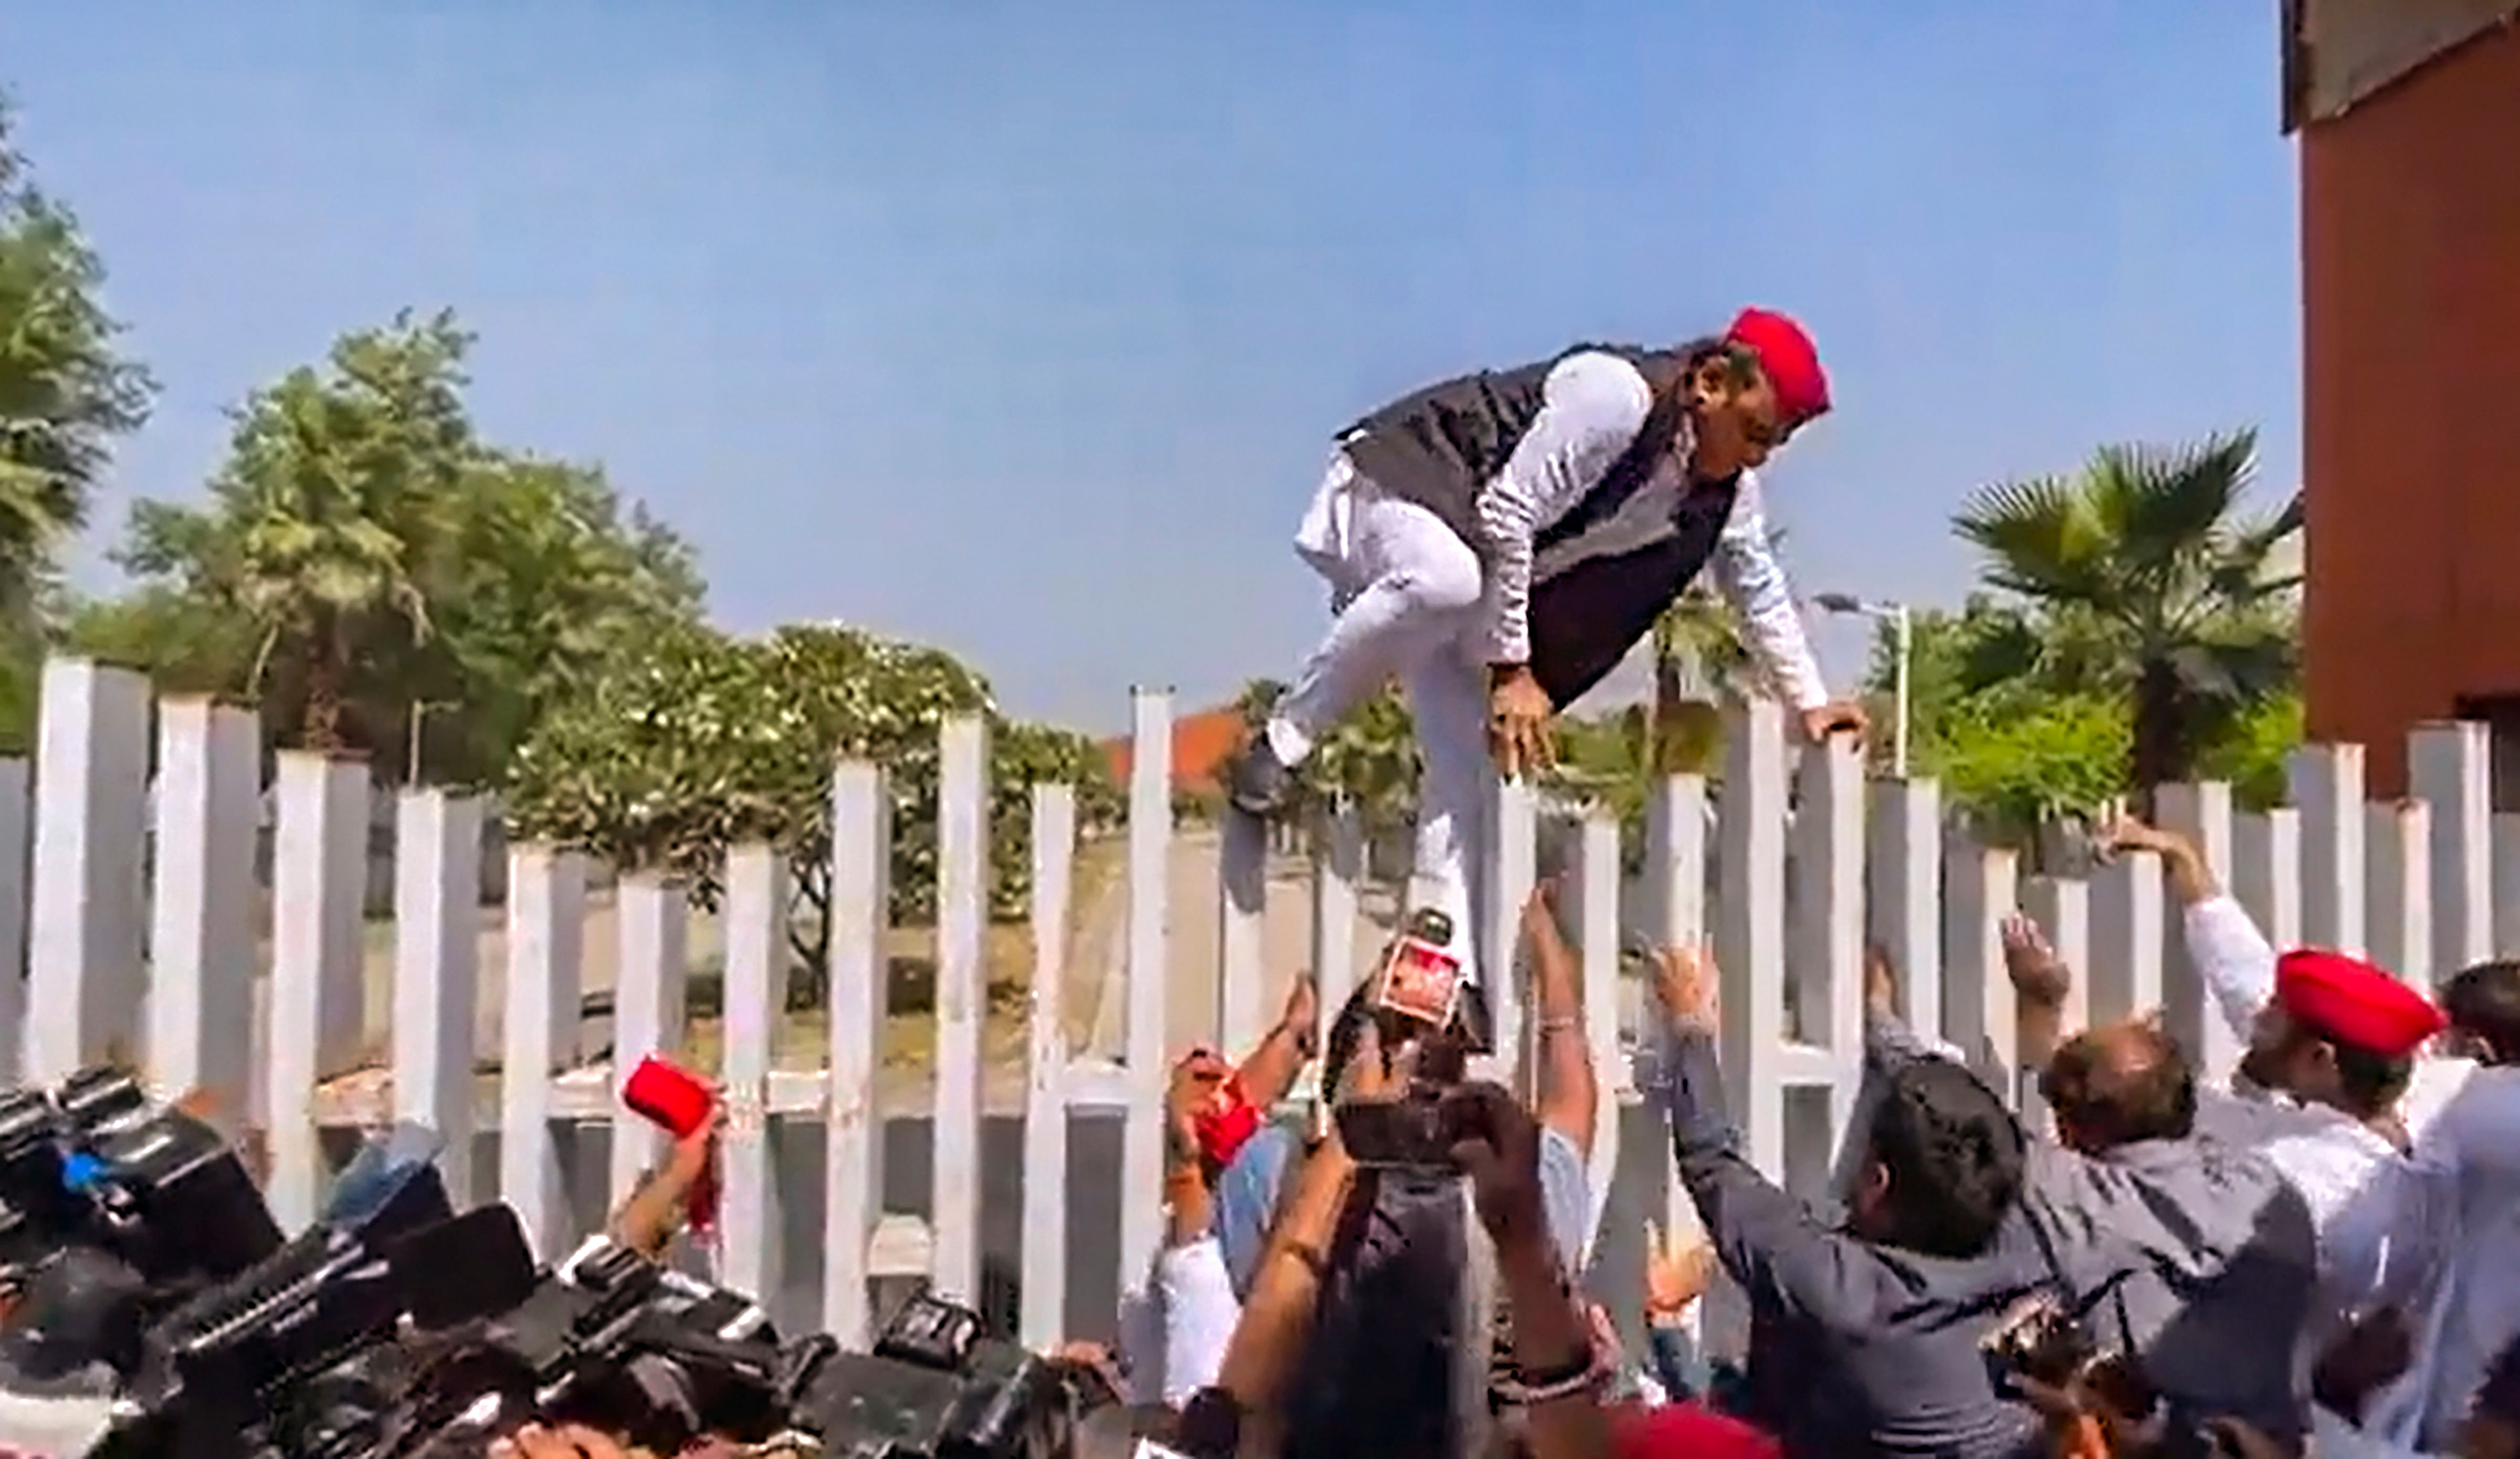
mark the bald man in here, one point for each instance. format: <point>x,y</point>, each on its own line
<point>2197,1257</point>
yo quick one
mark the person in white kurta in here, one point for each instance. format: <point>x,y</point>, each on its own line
<point>2434,1235</point>
<point>2470,1155</point>
<point>2332,1090</point>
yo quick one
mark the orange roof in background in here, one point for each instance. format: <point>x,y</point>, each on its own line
<point>1201,744</point>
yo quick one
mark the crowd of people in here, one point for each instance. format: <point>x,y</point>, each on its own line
<point>2309,1252</point>
<point>2306,1252</point>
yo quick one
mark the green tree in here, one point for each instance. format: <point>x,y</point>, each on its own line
<point>2146,556</point>
<point>326,524</point>
<point>548,580</point>
<point>669,757</point>
<point>2253,752</point>
<point>66,391</point>
<point>367,566</point>
<point>2014,768</point>
<point>184,643</point>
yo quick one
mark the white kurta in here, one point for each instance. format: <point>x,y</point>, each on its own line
<point>2385,1222</point>
<point>2472,1152</point>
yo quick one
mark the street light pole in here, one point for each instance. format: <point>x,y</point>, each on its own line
<point>1902,653</point>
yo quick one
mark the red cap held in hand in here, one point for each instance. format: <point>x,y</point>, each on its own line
<point>682,1104</point>
<point>1226,1124</point>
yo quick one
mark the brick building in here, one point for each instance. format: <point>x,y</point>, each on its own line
<point>2408,114</point>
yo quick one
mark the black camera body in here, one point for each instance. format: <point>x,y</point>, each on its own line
<point>96,1162</point>
<point>609,1336</point>
<point>934,1388</point>
<point>309,1354</point>
<point>39,1212</point>
<point>611,1339</point>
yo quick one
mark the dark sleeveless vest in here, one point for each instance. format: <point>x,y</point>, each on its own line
<point>1439,446</point>
<point>1586,619</point>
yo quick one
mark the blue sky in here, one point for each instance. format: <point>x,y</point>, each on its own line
<point>1023,328</point>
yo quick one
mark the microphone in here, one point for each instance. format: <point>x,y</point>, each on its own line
<point>391,1185</point>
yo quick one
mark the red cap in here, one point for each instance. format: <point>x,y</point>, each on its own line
<point>2353,1002</point>
<point>1686,1430</point>
<point>1224,1118</point>
<point>1792,364</point>
<point>1227,1124</point>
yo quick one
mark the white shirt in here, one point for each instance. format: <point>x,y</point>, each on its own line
<point>1593,404</point>
<point>1174,1330</point>
<point>2384,1223</point>
<point>2472,1148</point>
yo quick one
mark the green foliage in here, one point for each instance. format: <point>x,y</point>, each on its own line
<point>701,741</point>
<point>2021,767</point>
<point>2253,751</point>
<point>322,527</point>
<point>65,390</point>
<point>2141,632</point>
<point>365,563</point>
<point>2161,589</point>
<point>549,581</point>
<point>184,644</point>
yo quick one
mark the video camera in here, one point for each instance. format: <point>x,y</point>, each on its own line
<point>610,1339</point>
<point>95,1164</point>
<point>307,1351</point>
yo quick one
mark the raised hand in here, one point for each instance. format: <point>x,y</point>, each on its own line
<point>1299,1017</point>
<point>1195,1080</point>
<point>1685,982</point>
<point>1677,1273</point>
<point>1841,717</point>
<point>2030,961</point>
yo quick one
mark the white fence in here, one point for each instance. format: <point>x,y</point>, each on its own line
<point>1059,1198</point>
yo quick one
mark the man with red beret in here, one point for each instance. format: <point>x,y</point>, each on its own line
<point>1500,541</point>
<point>2334,1090</point>
<point>2340,1031</point>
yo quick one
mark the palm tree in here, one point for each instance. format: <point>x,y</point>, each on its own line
<point>2146,550</point>
<point>327,526</point>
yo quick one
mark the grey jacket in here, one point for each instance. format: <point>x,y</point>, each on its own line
<point>1856,1347</point>
<point>2197,1257</point>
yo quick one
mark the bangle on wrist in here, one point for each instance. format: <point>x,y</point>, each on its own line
<point>1572,1377</point>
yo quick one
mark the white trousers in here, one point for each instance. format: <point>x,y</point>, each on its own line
<point>1405,593</point>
